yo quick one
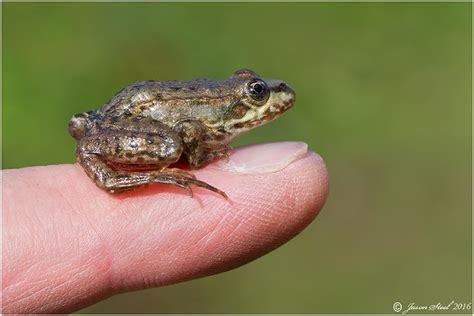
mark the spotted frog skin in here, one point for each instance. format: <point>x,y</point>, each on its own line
<point>134,138</point>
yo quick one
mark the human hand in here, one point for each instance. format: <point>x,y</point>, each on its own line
<point>68,244</point>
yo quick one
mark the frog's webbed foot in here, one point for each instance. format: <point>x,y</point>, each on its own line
<point>184,179</point>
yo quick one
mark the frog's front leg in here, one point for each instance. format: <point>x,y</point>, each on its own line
<point>200,144</point>
<point>100,154</point>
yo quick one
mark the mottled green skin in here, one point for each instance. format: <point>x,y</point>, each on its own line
<point>132,139</point>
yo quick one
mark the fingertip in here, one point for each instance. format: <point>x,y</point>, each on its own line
<point>196,237</point>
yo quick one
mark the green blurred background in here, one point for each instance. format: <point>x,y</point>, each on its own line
<point>383,95</point>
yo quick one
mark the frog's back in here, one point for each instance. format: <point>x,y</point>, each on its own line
<point>122,101</point>
<point>145,93</point>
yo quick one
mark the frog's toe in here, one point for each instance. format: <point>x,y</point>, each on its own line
<point>203,184</point>
<point>186,181</point>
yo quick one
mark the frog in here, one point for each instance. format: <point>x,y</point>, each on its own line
<point>147,128</point>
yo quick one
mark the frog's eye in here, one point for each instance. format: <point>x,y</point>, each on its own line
<point>258,90</point>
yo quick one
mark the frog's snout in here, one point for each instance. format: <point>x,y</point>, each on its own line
<point>283,86</point>
<point>284,94</point>
<point>288,92</point>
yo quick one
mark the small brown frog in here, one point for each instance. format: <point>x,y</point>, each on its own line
<point>134,138</point>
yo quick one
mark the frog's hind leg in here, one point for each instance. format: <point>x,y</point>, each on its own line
<point>95,151</point>
<point>115,181</point>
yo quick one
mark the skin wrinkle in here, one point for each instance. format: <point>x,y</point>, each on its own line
<point>31,288</point>
<point>104,256</point>
<point>68,286</point>
<point>253,216</point>
<point>209,233</point>
<point>13,282</point>
<point>39,293</point>
<point>47,291</point>
<point>143,236</point>
<point>270,192</point>
<point>262,218</point>
<point>266,206</point>
<point>7,305</point>
<point>235,228</point>
<point>125,243</point>
<point>56,266</point>
<point>188,216</point>
<point>19,282</point>
<point>251,202</point>
<point>25,231</point>
<point>216,230</point>
<point>294,190</point>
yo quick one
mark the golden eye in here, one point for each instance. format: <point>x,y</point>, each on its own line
<point>258,90</point>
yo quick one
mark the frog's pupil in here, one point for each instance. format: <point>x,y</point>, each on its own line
<point>258,88</point>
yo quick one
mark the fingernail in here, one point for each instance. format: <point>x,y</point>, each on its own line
<point>264,158</point>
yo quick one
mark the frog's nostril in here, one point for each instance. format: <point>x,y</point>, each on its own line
<point>283,86</point>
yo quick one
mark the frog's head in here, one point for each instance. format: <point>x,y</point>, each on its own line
<point>259,101</point>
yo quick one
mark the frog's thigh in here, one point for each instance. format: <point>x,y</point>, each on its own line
<point>93,153</point>
<point>134,148</point>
